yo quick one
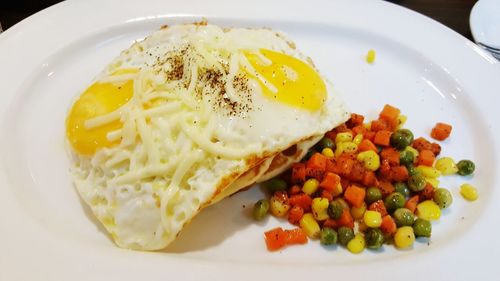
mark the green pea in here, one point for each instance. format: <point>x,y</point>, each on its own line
<point>342,202</point>
<point>416,183</point>
<point>374,238</point>
<point>403,217</point>
<point>401,139</point>
<point>275,184</point>
<point>260,209</point>
<point>422,228</point>
<point>394,201</point>
<point>345,234</point>
<point>325,142</point>
<point>328,236</point>
<point>336,208</point>
<point>372,194</point>
<point>406,157</point>
<point>412,170</point>
<point>465,167</point>
<point>443,198</point>
<point>402,188</point>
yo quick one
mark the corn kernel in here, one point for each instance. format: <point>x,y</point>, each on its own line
<point>370,159</point>
<point>278,207</point>
<point>357,139</point>
<point>370,57</point>
<point>319,208</point>
<point>358,212</point>
<point>446,166</point>
<point>310,226</point>
<point>348,147</point>
<point>343,137</point>
<point>433,182</point>
<point>429,172</point>
<point>310,186</point>
<point>372,219</point>
<point>357,244</point>
<point>412,150</point>
<point>469,192</point>
<point>401,121</point>
<point>404,237</point>
<point>428,210</point>
<point>328,152</point>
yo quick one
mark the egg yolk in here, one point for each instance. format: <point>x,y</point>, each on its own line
<point>97,100</point>
<point>294,82</point>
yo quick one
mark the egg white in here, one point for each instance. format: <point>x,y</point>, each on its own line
<point>172,162</point>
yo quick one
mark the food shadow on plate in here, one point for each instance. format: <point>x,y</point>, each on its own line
<point>214,224</point>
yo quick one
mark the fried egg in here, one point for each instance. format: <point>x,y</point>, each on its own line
<point>188,116</point>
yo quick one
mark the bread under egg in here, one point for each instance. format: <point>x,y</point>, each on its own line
<point>188,116</point>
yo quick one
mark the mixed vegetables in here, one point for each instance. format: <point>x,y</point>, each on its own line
<point>364,185</point>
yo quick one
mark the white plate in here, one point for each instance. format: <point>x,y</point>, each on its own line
<point>422,67</point>
<point>485,22</point>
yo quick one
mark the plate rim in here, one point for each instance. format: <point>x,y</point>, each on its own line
<point>22,32</point>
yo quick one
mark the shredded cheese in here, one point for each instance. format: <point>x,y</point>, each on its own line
<point>152,146</point>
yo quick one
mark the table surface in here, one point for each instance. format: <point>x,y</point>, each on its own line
<point>452,13</point>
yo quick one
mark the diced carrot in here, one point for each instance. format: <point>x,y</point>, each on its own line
<point>385,170</point>
<point>386,188</point>
<point>327,194</point>
<point>421,144</point>
<point>317,162</point>
<point>331,166</point>
<point>378,206</point>
<point>426,158</point>
<point>295,236</point>
<point>275,239</point>
<point>388,225</point>
<point>399,173</point>
<point>344,183</point>
<point>330,223</point>
<point>411,204</point>
<point>359,129</point>
<point>391,154</point>
<point>298,173</point>
<point>366,145</point>
<point>344,165</point>
<point>331,134</point>
<point>355,120</point>
<point>378,125</point>
<point>369,135</point>
<point>435,148</point>
<point>295,189</point>
<point>357,172</point>
<point>330,182</point>
<point>389,113</point>
<point>302,200</point>
<point>441,131</point>
<point>427,193</point>
<point>355,195</point>
<point>315,173</point>
<point>382,138</point>
<point>369,179</point>
<point>346,219</point>
<point>295,214</point>
<point>342,128</point>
